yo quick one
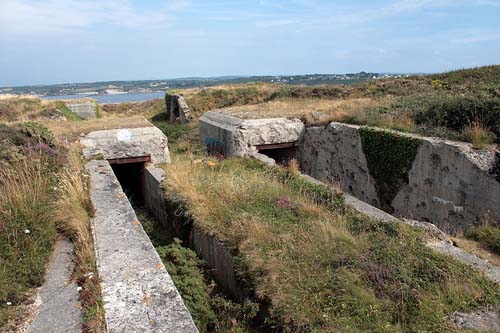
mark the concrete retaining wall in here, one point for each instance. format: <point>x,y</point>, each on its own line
<point>84,110</point>
<point>449,184</point>
<point>138,293</point>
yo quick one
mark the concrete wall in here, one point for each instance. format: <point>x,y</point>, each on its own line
<point>228,135</point>
<point>177,109</point>
<point>137,291</point>
<point>84,110</point>
<point>450,184</point>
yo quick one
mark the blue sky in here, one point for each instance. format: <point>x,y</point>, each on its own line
<point>57,41</point>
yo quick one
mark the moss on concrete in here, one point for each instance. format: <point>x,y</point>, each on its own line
<point>390,157</point>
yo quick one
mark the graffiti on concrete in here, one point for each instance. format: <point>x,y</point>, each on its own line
<point>214,147</point>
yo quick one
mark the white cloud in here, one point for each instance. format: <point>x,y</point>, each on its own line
<point>34,18</point>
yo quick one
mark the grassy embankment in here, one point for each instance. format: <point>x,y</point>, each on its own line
<point>317,267</point>
<point>28,160</point>
<point>461,105</point>
<point>42,193</point>
<point>29,108</point>
<point>313,267</point>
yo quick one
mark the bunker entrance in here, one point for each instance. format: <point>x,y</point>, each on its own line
<point>130,174</point>
<point>282,153</point>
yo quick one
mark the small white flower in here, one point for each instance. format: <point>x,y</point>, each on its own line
<point>9,303</point>
<point>27,231</point>
<point>79,289</point>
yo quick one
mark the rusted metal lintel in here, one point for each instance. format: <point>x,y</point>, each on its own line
<point>276,146</point>
<point>128,160</point>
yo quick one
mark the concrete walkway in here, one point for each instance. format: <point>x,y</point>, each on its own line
<point>138,293</point>
<point>60,307</point>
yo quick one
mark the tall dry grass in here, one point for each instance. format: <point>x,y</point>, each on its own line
<point>27,230</point>
<point>73,211</point>
<point>321,269</point>
<point>479,135</point>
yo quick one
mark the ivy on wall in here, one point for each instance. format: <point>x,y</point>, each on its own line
<point>390,157</point>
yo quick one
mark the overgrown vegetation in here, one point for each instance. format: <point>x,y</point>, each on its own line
<point>211,310</point>
<point>488,235</point>
<point>146,108</point>
<point>43,191</point>
<point>70,115</point>
<point>182,139</point>
<point>29,162</point>
<point>72,212</point>
<point>446,105</point>
<point>390,157</point>
<point>25,108</point>
<point>315,267</point>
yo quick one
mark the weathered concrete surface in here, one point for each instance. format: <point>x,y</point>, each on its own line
<point>84,110</point>
<point>128,142</point>
<point>138,293</point>
<point>228,135</point>
<point>177,108</point>
<point>59,310</point>
<point>485,320</point>
<point>334,154</point>
<point>450,184</point>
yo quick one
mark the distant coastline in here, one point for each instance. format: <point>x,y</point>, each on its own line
<point>111,98</point>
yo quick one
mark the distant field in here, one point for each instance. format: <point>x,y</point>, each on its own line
<point>461,105</point>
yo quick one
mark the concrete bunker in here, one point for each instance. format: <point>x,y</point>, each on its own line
<point>86,110</point>
<point>282,153</point>
<point>446,183</point>
<point>222,132</point>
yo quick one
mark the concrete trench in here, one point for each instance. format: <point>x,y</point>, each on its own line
<point>138,292</point>
<point>129,266</point>
<point>130,285</point>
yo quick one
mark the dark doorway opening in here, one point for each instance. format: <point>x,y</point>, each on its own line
<point>130,174</point>
<point>282,153</point>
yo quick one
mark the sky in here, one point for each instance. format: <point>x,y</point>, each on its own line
<point>63,41</point>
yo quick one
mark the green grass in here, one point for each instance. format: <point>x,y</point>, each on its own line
<point>487,235</point>
<point>29,161</point>
<point>182,139</point>
<point>211,310</point>
<point>27,230</point>
<point>70,115</point>
<point>316,266</point>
